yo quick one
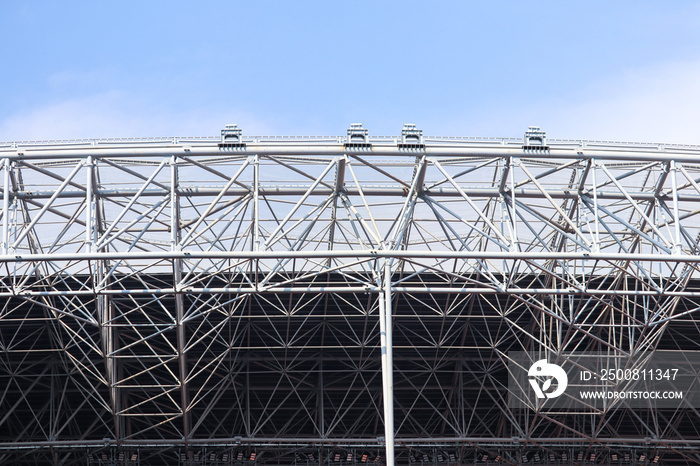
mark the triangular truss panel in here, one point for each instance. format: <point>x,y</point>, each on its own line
<point>337,300</point>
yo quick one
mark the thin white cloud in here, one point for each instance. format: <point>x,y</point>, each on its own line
<point>117,114</point>
<point>72,78</point>
<point>650,105</point>
<point>94,116</point>
<point>653,104</point>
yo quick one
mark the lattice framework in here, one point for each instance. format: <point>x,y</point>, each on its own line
<point>303,300</point>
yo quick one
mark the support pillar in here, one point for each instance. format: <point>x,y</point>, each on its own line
<point>175,245</point>
<point>385,333</point>
<point>6,167</point>
<point>105,312</point>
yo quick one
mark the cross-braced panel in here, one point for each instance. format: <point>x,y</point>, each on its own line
<point>313,301</point>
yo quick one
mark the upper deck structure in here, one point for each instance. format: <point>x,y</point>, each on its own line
<point>336,300</point>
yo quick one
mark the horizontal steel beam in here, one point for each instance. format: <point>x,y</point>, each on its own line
<point>355,289</point>
<point>294,148</point>
<point>353,254</point>
<point>487,193</point>
<point>301,442</point>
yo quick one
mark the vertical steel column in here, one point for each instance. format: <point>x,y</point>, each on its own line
<point>255,237</point>
<point>676,214</point>
<point>104,310</point>
<point>385,335</point>
<point>514,219</point>
<point>339,186</point>
<point>595,205</point>
<point>6,166</point>
<point>321,418</point>
<point>256,204</point>
<point>89,206</point>
<point>179,298</point>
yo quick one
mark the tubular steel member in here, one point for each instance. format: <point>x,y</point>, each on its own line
<point>386,341</point>
<point>337,300</point>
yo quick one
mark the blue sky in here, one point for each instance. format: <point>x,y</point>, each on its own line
<point>622,70</point>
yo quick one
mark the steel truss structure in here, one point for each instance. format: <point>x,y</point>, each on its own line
<point>336,300</point>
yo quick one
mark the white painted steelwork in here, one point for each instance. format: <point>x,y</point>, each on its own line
<point>350,296</point>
